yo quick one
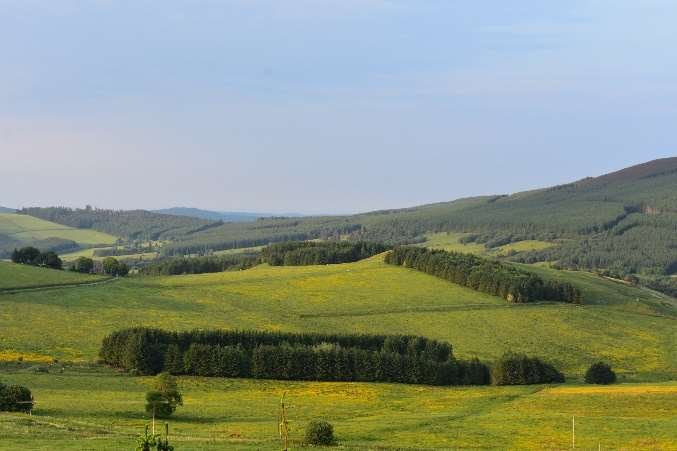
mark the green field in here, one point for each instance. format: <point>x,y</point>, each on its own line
<point>24,276</point>
<point>27,228</point>
<point>449,241</point>
<point>95,408</point>
<point>632,328</point>
<point>89,253</point>
<point>98,409</point>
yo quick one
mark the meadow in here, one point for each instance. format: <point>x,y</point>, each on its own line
<point>450,241</point>
<point>28,228</point>
<point>23,276</point>
<point>95,408</point>
<point>632,328</point>
<point>81,405</point>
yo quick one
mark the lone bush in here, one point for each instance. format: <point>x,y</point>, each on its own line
<point>15,398</point>
<point>600,373</point>
<point>320,432</point>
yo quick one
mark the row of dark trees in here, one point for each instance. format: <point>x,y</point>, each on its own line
<point>15,398</point>
<point>320,253</point>
<point>326,362</point>
<point>519,369</point>
<point>32,256</point>
<point>488,276</point>
<point>110,266</point>
<point>276,355</point>
<point>200,265</point>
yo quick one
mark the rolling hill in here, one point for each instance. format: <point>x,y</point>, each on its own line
<point>630,327</point>
<point>624,222</point>
<point>13,276</point>
<point>22,230</point>
<point>367,296</point>
<point>6,210</point>
<point>130,224</point>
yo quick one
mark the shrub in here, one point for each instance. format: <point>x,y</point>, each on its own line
<point>165,398</point>
<point>600,373</point>
<point>83,264</point>
<point>15,398</point>
<point>320,432</point>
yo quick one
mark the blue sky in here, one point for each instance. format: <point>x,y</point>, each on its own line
<point>326,105</point>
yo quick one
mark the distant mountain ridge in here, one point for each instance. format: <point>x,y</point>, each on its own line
<point>225,216</point>
<point>7,210</point>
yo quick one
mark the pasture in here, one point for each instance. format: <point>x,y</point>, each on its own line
<point>24,276</point>
<point>94,408</point>
<point>28,228</point>
<point>449,241</point>
<point>630,327</point>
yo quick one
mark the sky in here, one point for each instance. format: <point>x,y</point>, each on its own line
<point>326,106</point>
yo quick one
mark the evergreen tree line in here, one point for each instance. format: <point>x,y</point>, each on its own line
<point>324,362</point>
<point>488,276</point>
<point>32,256</point>
<point>15,398</point>
<point>320,253</point>
<point>519,369</point>
<point>276,355</point>
<point>200,265</point>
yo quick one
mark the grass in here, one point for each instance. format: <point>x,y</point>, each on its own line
<point>449,241</point>
<point>83,408</point>
<point>90,407</point>
<point>627,326</point>
<point>27,228</point>
<point>24,276</point>
<point>71,256</point>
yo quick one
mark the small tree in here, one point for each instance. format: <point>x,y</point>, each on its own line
<point>320,432</point>
<point>83,264</point>
<point>163,400</point>
<point>600,373</point>
<point>111,266</point>
<point>50,260</point>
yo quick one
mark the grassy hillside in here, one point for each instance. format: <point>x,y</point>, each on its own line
<point>24,276</point>
<point>132,224</point>
<point>28,228</point>
<point>631,327</point>
<point>21,230</point>
<point>242,414</point>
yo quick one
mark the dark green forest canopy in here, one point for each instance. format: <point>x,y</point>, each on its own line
<point>291,356</point>
<point>320,253</point>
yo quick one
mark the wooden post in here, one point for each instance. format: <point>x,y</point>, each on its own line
<point>283,426</point>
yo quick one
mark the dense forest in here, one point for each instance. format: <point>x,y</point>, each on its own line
<point>319,253</point>
<point>277,355</point>
<point>481,274</point>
